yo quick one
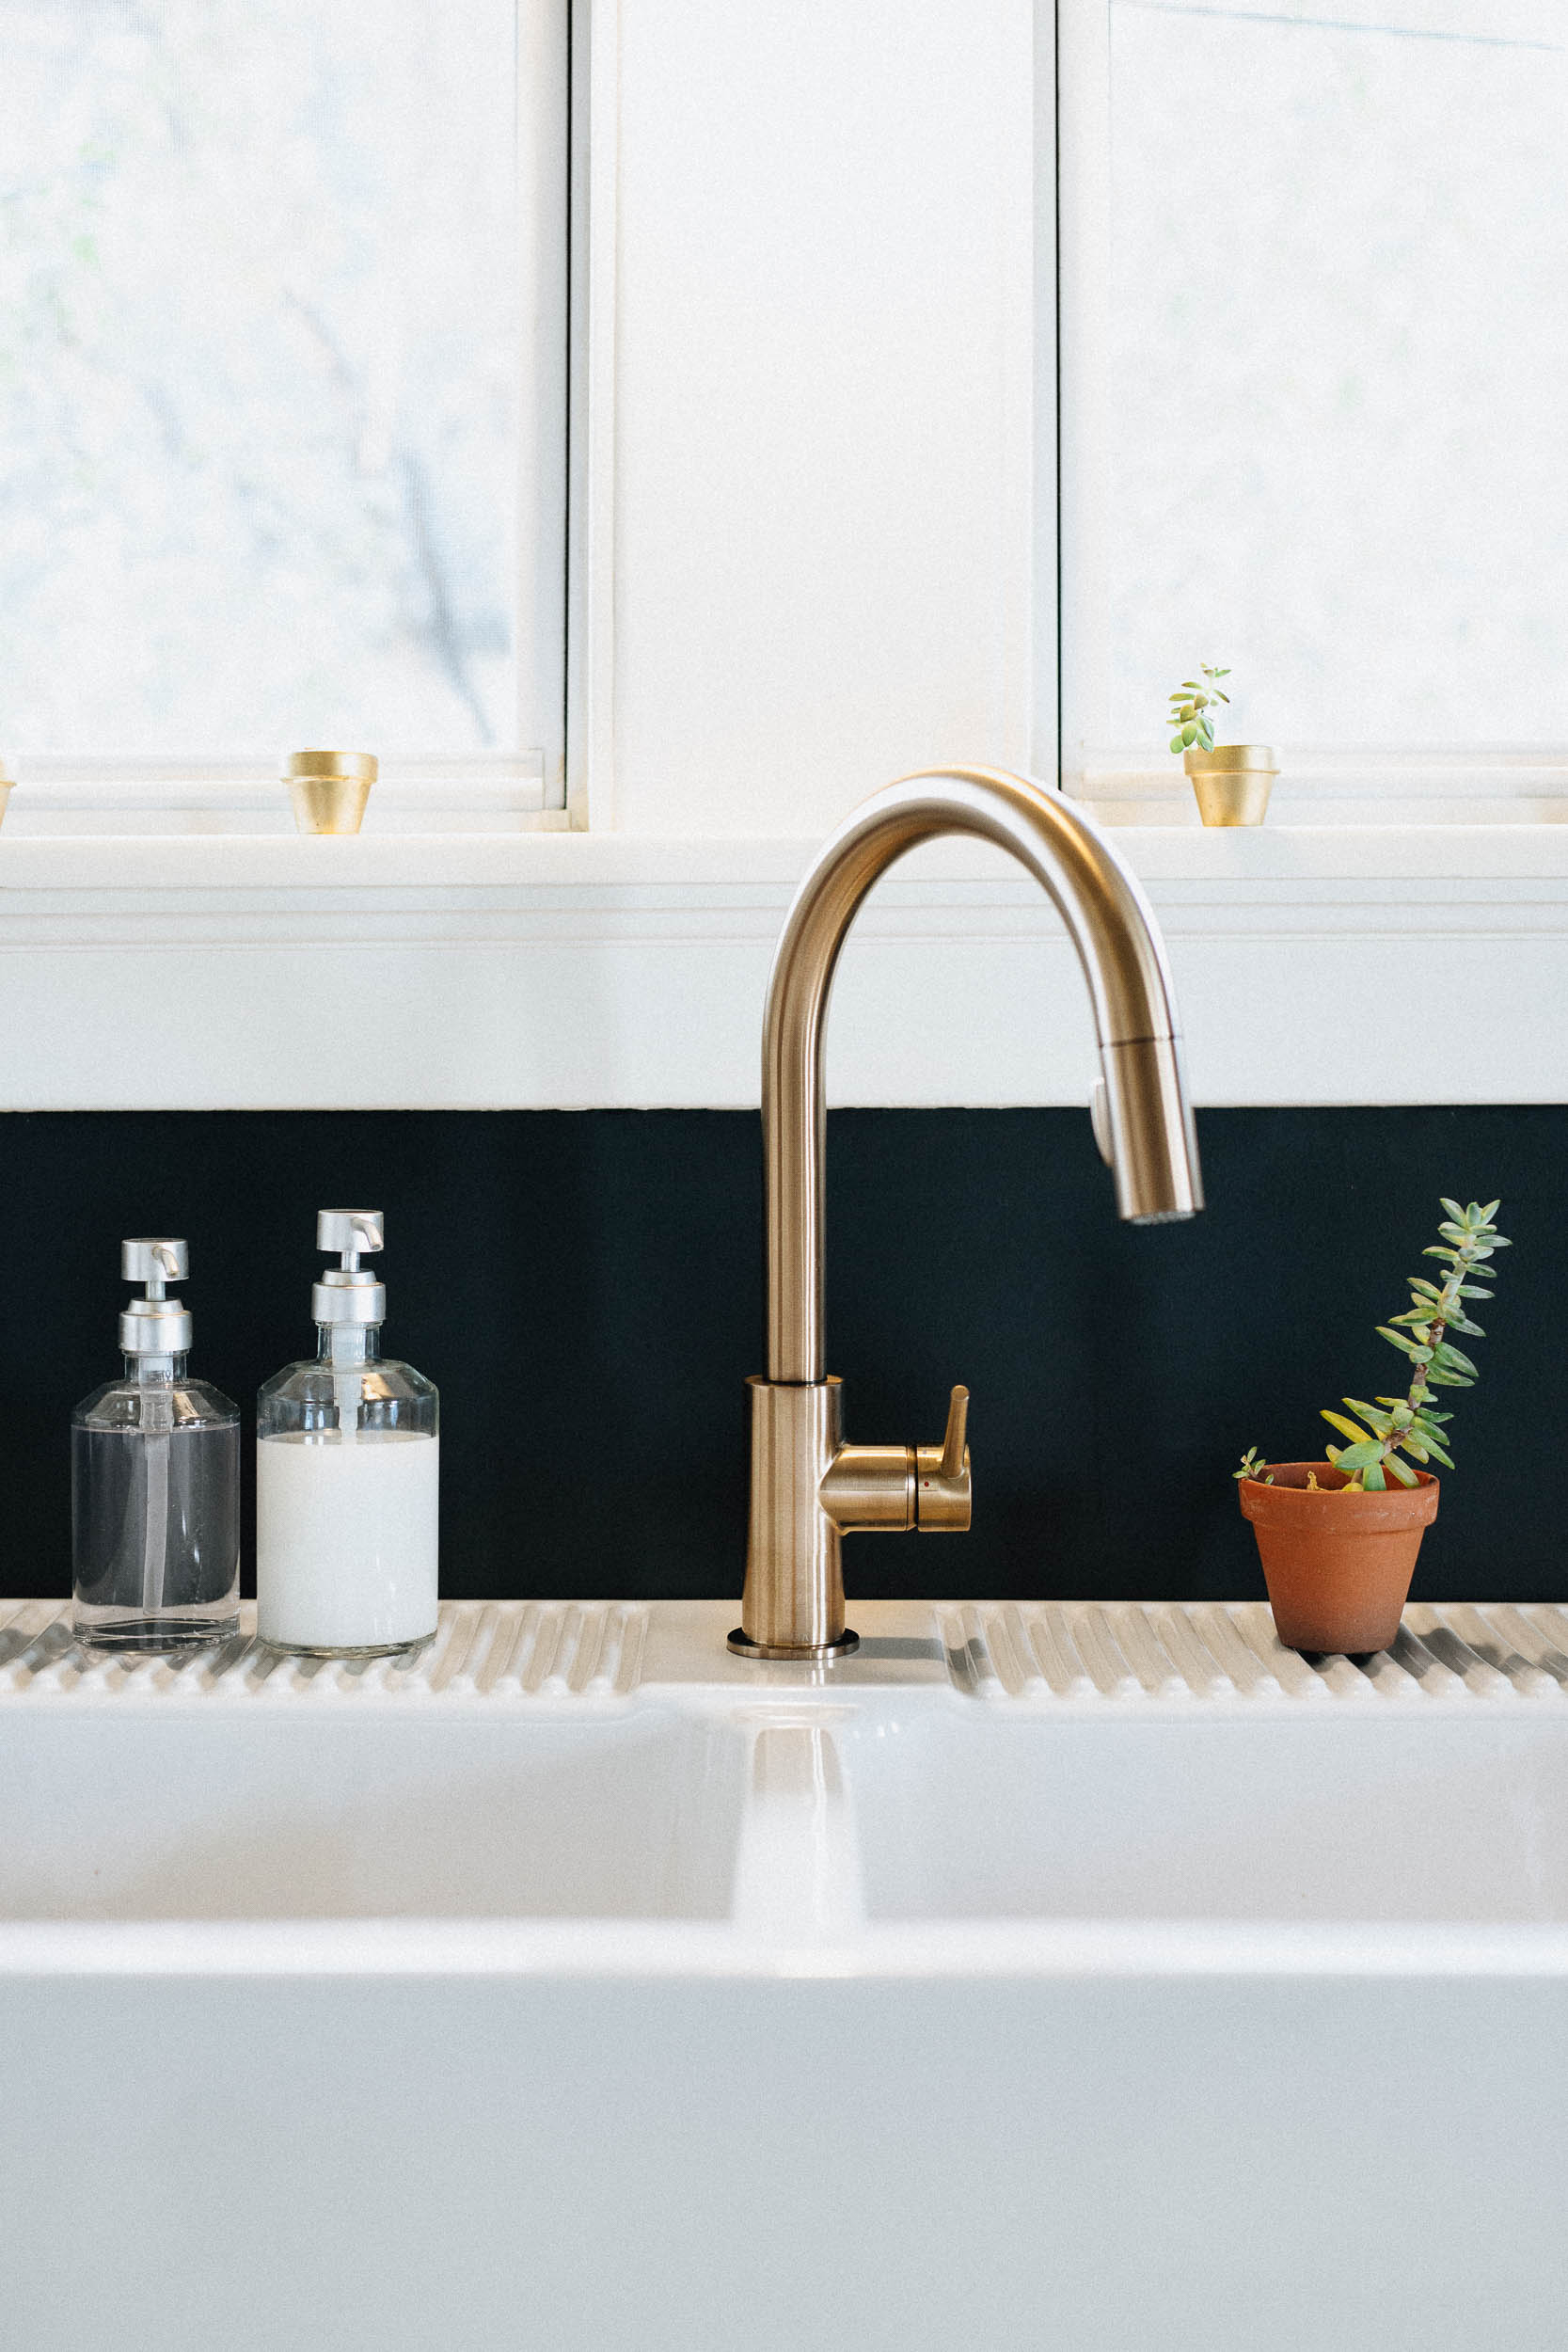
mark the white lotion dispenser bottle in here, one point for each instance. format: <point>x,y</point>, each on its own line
<point>348,1456</point>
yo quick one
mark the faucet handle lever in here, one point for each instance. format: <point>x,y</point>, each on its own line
<point>942,1474</point>
<point>953,1440</point>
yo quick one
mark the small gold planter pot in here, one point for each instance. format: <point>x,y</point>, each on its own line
<point>329,789</point>
<point>1233,782</point>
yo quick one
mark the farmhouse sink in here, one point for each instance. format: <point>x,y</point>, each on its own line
<point>1098,1975</point>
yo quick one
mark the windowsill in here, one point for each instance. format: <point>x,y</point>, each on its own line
<point>205,799</point>
<point>1346,791</point>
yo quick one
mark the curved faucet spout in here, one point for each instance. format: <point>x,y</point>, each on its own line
<point>1150,1143</point>
<point>809,1487</point>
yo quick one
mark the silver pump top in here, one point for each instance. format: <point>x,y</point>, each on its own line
<point>349,1293</point>
<point>154,1324</point>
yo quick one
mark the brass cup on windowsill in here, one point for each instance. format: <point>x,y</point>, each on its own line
<point>329,789</point>
<point>1233,782</point>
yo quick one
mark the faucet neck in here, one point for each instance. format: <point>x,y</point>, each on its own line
<point>1108,920</point>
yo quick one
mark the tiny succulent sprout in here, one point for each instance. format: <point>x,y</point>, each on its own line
<point>1254,1466</point>
<point>1192,709</point>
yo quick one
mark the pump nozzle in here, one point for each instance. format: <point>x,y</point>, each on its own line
<point>154,1324</point>
<point>356,1232</point>
<point>349,1301</point>
<point>347,1292</point>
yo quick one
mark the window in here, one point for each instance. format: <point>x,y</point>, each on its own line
<point>282,379</point>
<point>1314,338</point>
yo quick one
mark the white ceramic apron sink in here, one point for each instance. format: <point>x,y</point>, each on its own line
<point>1035,1976</point>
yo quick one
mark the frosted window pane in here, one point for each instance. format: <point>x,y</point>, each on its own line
<point>1339,368</point>
<point>258,355</point>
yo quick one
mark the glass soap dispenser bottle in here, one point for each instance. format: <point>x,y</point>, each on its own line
<point>156,1482</point>
<point>347,1475</point>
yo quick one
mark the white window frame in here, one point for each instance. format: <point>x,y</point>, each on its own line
<point>1322,784</point>
<point>522,788</point>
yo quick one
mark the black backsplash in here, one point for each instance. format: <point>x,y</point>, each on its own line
<point>586,1289</point>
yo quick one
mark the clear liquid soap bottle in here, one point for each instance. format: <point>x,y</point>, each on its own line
<point>156,1482</point>
<point>347,1473</point>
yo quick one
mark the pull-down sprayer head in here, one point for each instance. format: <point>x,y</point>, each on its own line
<point>1143,1123</point>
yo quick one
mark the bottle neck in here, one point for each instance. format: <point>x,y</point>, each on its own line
<point>344,1343</point>
<point>154,1371</point>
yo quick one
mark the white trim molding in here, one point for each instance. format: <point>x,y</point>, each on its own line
<point>565,970</point>
<point>596,135</point>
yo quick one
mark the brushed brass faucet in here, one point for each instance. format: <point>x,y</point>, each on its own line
<point>809,1489</point>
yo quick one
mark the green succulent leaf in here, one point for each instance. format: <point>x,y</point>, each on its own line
<point>1346,1428</point>
<point>1373,1479</point>
<point>1402,1471</point>
<point>1413,1348</point>
<point>1359,1456</point>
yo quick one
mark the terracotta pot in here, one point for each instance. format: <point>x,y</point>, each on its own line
<point>1337,1566</point>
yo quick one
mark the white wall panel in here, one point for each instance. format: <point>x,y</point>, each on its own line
<point>823,392</point>
<point>563,970</point>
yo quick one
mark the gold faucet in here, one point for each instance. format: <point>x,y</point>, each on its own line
<point>809,1489</point>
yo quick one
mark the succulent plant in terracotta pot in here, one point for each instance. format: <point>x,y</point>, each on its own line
<point>1339,1539</point>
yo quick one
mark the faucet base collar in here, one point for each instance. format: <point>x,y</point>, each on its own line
<point>741,1642</point>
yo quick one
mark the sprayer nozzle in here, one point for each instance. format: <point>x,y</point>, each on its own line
<point>1148,1124</point>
